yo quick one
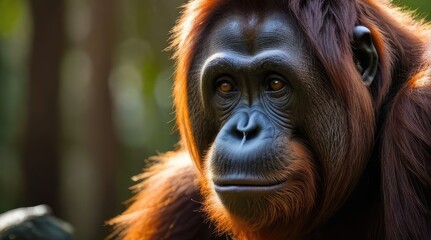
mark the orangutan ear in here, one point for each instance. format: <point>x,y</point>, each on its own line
<point>365,54</point>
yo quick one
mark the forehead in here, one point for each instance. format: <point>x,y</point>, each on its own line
<point>250,33</point>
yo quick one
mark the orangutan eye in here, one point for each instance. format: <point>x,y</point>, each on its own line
<point>274,83</point>
<point>225,85</point>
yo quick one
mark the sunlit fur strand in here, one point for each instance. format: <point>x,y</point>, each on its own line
<point>161,190</point>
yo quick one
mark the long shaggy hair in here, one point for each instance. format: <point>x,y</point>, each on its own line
<point>389,123</point>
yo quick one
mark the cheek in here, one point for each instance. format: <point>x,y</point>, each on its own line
<point>324,123</point>
<point>298,197</point>
<point>296,200</point>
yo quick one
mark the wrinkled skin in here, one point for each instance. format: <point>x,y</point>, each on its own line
<point>258,85</point>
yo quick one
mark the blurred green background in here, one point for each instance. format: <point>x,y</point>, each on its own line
<point>85,98</point>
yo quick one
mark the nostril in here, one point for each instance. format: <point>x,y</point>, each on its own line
<point>247,133</point>
<point>252,133</point>
<point>238,134</point>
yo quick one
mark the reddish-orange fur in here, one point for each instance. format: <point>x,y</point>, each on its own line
<point>390,124</point>
<point>157,190</point>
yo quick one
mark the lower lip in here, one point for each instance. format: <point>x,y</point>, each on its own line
<point>248,189</point>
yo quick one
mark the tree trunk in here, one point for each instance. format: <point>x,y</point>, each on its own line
<point>101,137</point>
<point>41,154</point>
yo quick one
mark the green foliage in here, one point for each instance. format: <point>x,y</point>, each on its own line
<point>421,7</point>
<point>10,13</point>
<point>13,48</point>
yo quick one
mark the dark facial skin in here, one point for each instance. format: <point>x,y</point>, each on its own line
<point>270,127</point>
<point>249,82</point>
<point>252,80</point>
